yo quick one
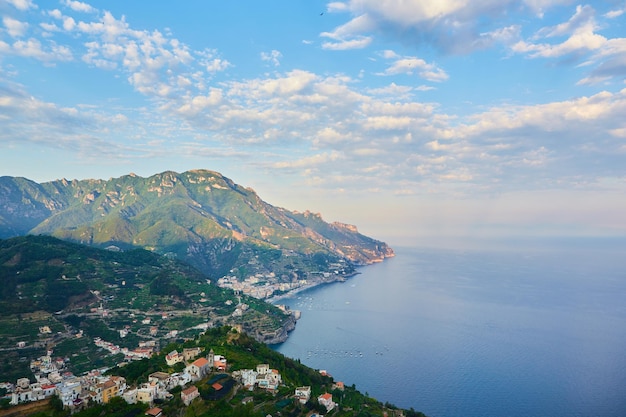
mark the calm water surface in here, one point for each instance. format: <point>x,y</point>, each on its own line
<point>475,333</point>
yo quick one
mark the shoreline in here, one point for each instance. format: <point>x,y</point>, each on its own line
<point>342,278</point>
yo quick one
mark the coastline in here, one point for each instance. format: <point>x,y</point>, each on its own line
<point>341,278</point>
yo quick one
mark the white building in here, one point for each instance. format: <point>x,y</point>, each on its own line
<point>303,394</point>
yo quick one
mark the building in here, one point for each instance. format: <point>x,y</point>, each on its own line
<point>327,401</point>
<point>219,363</point>
<point>154,412</point>
<point>198,369</point>
<point>109,390</point>
<point>191,353</point>
<point>173,358</point>
<point>146,393</point>
<point>159,378</point>
<point>69,390</point>
<point>189,394</point>
<point>303,394</point>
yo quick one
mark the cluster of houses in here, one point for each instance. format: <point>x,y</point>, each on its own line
<point>94,387</point>
<point>144,351</point>
<point>263,377</point>
<point>259,285</point>
<point>79,392</point>
<point>303,394</point>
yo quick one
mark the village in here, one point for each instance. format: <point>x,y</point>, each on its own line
<point>200,368</point>
<point>268,287</point>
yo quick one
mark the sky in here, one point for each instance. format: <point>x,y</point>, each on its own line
<point>412,119</point>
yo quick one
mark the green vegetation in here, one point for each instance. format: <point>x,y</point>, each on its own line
<point>201,217</point>
<point>71,288</point>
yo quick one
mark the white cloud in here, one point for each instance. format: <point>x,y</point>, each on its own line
<point>311,161</point>
<point>451,26</point>
<point>79,6</point>
<point>614,14</point>
<point>606,56</point>
<point>272,57</point>
<point>336,6</point>
<point>358,42</point>
<point>347,36</point>
<point>217,65</point>
<point>14,27</point>
<point>32,48</point>
<point>409,65</point>
<point>22,4</point>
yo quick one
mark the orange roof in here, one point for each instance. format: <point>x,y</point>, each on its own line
<point>201,362</point>
<point>109,384</point>
<point>327,396</point>
<point>217,386</point>
<point>154,411</point>
<point>190,390</point>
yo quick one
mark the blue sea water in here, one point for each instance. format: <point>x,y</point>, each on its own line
<point>484,333</point>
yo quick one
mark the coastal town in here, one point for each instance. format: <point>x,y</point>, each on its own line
<point>198,369</point>
<point>268,287</point>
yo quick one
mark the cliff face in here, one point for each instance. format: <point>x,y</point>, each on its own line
<point>199,216</point>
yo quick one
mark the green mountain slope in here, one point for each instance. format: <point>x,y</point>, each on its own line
<point>199,216</point>
<point>45,281</point>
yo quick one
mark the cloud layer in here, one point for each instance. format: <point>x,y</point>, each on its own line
<point>330,129</point>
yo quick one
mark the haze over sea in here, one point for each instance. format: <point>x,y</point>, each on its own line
<point>527,330</point>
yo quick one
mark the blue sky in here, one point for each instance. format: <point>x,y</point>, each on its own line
<point>410,119</point>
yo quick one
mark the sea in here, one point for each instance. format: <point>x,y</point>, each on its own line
<point>519,330</point>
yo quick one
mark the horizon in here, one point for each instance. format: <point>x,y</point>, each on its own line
<point>465,122</point>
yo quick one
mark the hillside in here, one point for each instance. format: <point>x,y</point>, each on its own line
<point>235,389</point>
<point>124,297</point>
<point>198,216</point>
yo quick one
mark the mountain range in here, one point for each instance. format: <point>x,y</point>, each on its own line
<point>198,216</point>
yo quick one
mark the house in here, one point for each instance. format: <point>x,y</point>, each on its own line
<point>198,369</point>
<point>154,412</point>
<point>327,401</point>
<point>262,368</point>
<point>146,393</point>
<point>109,390</point>
<point>219,363</point>
<point>339,385</point>
<point>189,394</point>
<point>130,396</point>
<point>303,394</point>
<point>69,390</point>
<point>173,358</point>
<point>159,378</point>
<point>191,353</point>
<point>21,395</point>
<point>270,380</point>
<point>248,378</point>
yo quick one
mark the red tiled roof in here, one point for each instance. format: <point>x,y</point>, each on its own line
<point>201,362</point>
<point>154,411</point>
<point>217,386</point>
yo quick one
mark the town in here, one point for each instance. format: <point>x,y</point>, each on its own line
<point>268,287</point>
<point>196,370</point>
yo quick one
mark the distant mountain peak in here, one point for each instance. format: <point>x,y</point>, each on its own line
<point>199,215</point>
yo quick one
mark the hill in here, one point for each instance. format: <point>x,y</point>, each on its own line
<point>198,216</point>
<point>235,390</point>
<point>61,295</point>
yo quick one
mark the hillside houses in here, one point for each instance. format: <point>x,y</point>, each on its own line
<point>95,387</point>
<point>263,377</point>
